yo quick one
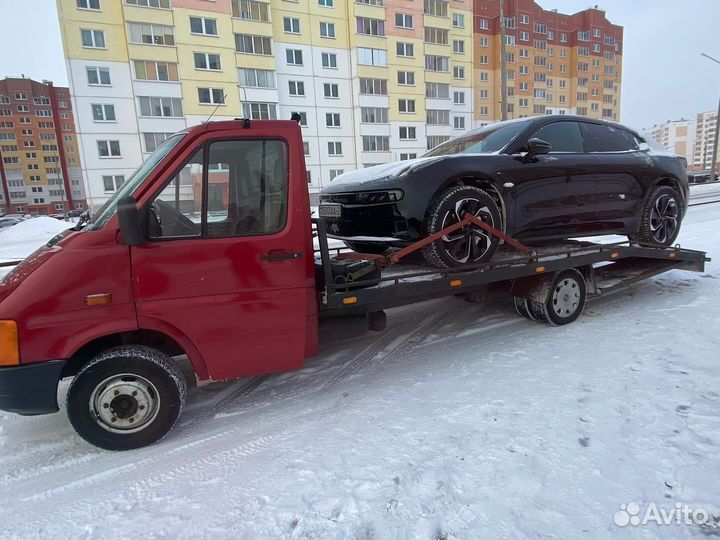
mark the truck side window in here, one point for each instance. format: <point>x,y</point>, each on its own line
<point>176,212</point>
<point>247,187</point>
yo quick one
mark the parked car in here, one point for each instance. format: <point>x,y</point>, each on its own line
<point>74,213</point>
<point>537,179</point>
<point>9,221</point>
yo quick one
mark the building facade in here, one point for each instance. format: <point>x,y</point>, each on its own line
<point>678,136</point>
<point>373,80</point>
<point>40,167</point>
<point>705,131</point>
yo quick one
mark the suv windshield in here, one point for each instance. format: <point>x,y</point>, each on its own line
<point>487,139</point>
<point>106,211</point>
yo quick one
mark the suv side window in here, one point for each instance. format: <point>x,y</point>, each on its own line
<point>602,138</point>
<point>565,137</point>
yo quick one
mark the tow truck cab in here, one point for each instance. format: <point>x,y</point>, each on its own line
<point>214,260</point>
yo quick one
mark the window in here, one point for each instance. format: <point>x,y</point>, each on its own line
<point>406,78</point>
<point>331,90</point>
<point>93,39</point>
<point>403,20</point>
<point>4,99</point>
<point>327,30</point>
<point>250,44</point>
<point>147,70</point>
<point>112,182</point>
<point>108,149</point>
<point>328,60</point>
<point>458,46</point>
<point>458,72</point>
<point>524,18</point>
<point>375,143</point>
<point>583,35</point>
<point>373,115</point>
<point>259,111</point>
<point>207,61</point>
<point>458,20</point>
<point>23,108</point>
<point>407,133</point>
<point>294,57</point>
<point>160,106</point>
<point>98,76</point>
<point>257,78</point>
<point>372,57</point>
<point>153,140</point>
<point>438,118</point>
<point>27,133</point>
<point>29,144</point>
<point>437,63</point>
<point>211,96</point>
<point>103,113</point>
<point>371,27</point>
<point>484,76</point>
<point>509,22</point>
<point>89,4</point>
<point>291,25</point>
<point>406,105</point>
<point>165,4</point>
<point>563,136</point>
<point>334,148</point>
<point>251,10</point>
<point>459,97</point>
<point>332,119</point>
<point>437,90</point>
<point>296,88</point>
<point>201,25</point>
<point>439,8</point>
<point>484,24</point>
<point>435,140</point>
<point>405,157</point>
<point>404,49</point>
<point>438,36</point>
<point>151,34</point>
<point>306,148</point>
<point>334,173</point>
<point>303,117</point>
<point>42,100</point>
<point>376,87</point>
<point>325,3</point>
<point>601,138</point>
<point>540,28</point>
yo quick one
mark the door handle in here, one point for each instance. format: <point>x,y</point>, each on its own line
<point>279,255</point>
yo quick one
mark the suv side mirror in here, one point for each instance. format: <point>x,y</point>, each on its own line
<point>537,147</point>
<point>130,222</point>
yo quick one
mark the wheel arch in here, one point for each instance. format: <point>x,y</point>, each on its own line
<point>669,181</point>
<point>148,337</point>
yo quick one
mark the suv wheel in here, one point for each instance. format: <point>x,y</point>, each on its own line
<point>661,218</point>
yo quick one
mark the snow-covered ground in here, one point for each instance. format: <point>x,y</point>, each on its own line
<point>461,420</point>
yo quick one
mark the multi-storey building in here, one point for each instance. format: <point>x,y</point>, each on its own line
<point>39,159</point>
<point>678,136</point>
<point>704,140</point>
<point>372,80</point>
<point>556,64</point>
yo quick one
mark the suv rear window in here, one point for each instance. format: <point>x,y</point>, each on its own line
<point>601,138</point>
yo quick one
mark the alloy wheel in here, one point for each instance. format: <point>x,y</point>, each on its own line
<point>468,244</point>
<point>664,218</point>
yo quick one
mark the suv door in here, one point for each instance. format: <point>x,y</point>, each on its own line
<point>226,264</point>
<point>553,192</point>
<point>620,166</point>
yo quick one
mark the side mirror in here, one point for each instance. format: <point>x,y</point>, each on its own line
<point>130,222</point>
<point>537,147</point>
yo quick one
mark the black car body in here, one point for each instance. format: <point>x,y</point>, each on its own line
<point>596,178</point>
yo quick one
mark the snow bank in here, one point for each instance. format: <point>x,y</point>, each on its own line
<point>19,241</point>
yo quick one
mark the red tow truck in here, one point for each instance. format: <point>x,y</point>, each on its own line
<point>207,252</point>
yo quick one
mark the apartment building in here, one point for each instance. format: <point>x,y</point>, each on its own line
<point>705,131</point>
<point>39,159</point>
<point>678,136</point>
<point>556,63</point>
<point>372,80</point>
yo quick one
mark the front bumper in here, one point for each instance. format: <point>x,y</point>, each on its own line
<point>30,389</point>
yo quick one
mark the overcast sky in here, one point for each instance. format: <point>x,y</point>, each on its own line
<point>664,75</point>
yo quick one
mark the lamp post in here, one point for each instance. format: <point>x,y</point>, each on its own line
<point>713,162</point>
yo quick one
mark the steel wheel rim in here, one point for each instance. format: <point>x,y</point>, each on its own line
<point>469,243</point>
<point>664,218</point>
<point>566,297</point>
<point>125,403</point>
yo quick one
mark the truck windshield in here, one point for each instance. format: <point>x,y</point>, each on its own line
<point>492,138</point>
<point>106,211</point>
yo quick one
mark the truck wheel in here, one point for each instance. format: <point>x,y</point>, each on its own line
<point>661,217</point>
<point>126,397</point>
<point>564,300</point>
<point>469,245</point>
<point>522,307</point>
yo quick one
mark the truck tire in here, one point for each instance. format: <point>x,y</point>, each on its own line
<point>660,222</point>
<point>469,245</point>
<point>126,397</point>
<point>563,301</point>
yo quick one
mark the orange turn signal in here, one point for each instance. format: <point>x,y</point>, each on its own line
<point>98,299</point>
<point>539,269</point>
<point>672,254</point>
<point>9,344</point>
<point>614,255</point>
<point>349,300</point>
<point>456,282</point>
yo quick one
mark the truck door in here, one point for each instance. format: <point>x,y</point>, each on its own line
<point>226,261</point>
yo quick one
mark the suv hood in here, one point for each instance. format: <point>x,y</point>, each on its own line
<point>376,177</point>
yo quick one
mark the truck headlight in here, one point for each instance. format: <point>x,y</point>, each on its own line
<point>9,344</point>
